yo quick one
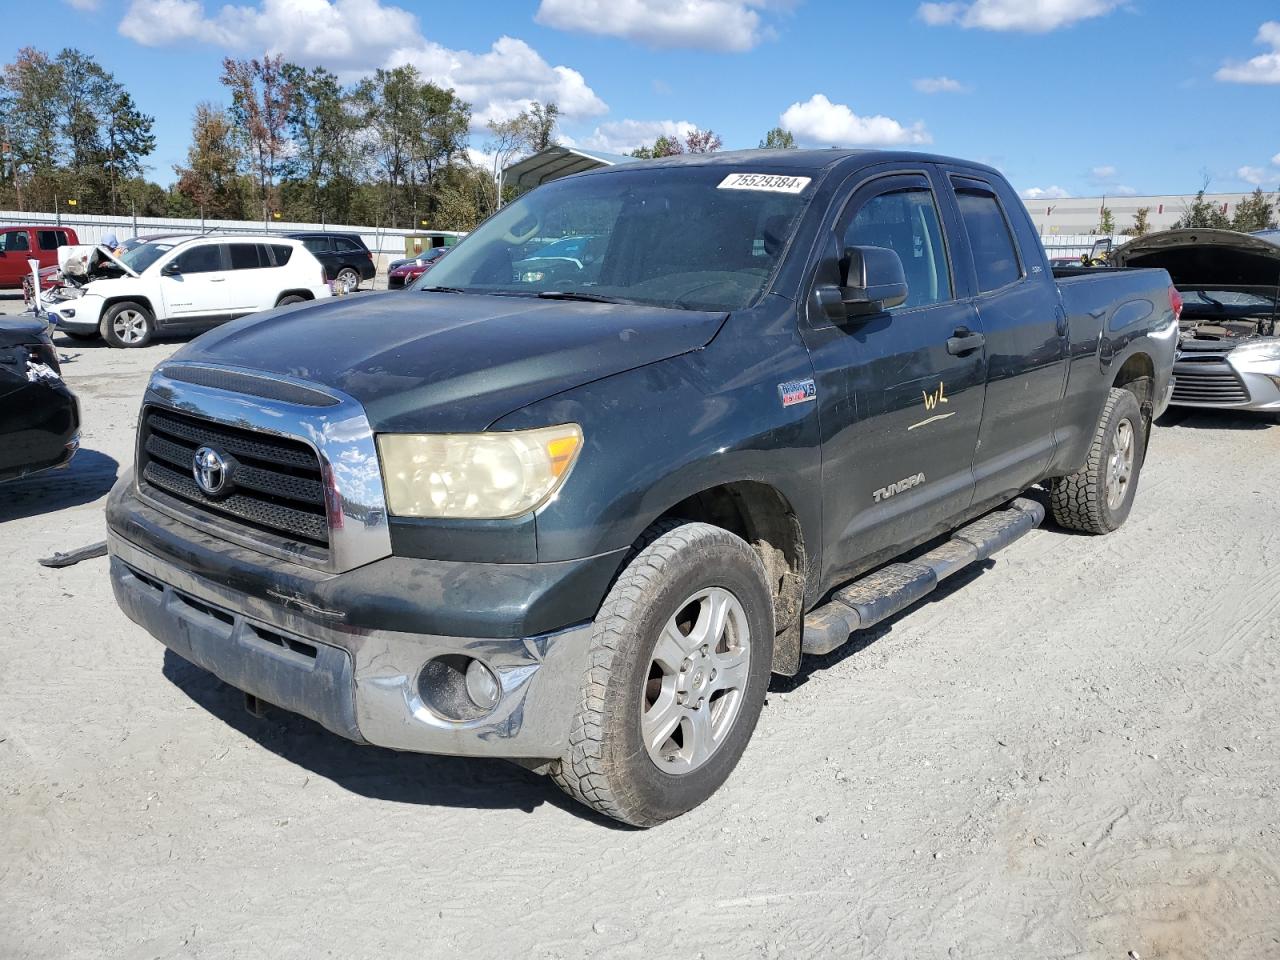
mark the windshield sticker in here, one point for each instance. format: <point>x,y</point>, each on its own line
<point>769,182</point>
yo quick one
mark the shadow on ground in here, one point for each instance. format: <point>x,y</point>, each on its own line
<point>373,771</point>
<point>89,477</point>
<point>1198,419</point>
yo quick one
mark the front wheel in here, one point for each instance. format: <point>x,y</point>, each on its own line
<point>127,324</point>
<point>680,660</point>
<point>1098,498</point>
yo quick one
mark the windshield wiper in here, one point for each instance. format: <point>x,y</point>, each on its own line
<point>575,295</point>
<point>442,290</point>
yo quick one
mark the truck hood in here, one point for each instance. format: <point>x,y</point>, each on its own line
<point>439,362</point>
<point>1205,259</point>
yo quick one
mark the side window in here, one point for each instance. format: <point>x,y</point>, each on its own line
<point>282,253</point>
<point>206,258</point>
<point>47,239</point>
<point>248,256</point>
<point>343,245</point>
<point>16,241</point>
<point>995,259</point>
<point>316,244</point>
<point>906,221</point>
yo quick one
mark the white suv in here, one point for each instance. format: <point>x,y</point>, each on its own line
<point>177,285</point>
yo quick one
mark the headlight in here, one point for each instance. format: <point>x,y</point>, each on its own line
<point>1257,351</point>
<point>476,475</point>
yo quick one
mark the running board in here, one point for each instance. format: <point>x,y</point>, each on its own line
<point>889,590</point>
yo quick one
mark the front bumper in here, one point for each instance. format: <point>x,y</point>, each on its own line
<point>361,684</point>
<point>1250,386</point>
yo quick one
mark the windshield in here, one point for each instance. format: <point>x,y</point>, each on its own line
<point>662,236</point>
<point>144,255</point>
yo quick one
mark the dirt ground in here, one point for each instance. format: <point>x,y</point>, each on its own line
<point>1075,752</point>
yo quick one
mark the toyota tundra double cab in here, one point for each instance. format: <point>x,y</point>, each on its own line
<point>576,517</point>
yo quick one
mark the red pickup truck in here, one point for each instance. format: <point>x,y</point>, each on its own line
<point>20,244</point>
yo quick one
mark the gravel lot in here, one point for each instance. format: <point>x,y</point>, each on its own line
<point>1072,753</point>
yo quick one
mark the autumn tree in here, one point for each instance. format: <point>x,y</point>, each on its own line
<point>260,99</point>
<point>211,178</point>
<point>702,141</point>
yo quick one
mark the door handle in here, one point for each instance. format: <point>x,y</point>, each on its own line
<point>965,341</point>
<point>218,280</point>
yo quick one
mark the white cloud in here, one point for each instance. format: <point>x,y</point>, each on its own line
<point>86,5</point>
<point>1253,175</point>
<point>1264,68</point>
<point>1107,172</point>
<point>732,25</point>
<point>1045,193</point>
<point>1275,161</point>
<point>820,122</point>
<point>1124,191</point>
<point>939,85</point>
<point>499,82</point>
<point>623,136</point>
<point>1029,16</point>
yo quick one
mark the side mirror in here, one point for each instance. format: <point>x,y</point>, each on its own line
<point>873,280</point>
<point>171,269</point>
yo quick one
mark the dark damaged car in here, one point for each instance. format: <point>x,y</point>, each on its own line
<point>39,415</point>
<point>576,517</point>
<point>1228,348</point>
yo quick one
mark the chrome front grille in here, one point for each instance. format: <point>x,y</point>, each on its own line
<point>276,486</point>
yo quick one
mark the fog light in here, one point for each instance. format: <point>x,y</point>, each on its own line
<point>482,686</point>
<point>68,312</point>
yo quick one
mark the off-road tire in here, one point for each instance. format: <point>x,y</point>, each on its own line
<point>107,326</point>
<point>606,765</point>
<point>1079,501</point>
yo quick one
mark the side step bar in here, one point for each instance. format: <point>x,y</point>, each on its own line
<point>889,590</point>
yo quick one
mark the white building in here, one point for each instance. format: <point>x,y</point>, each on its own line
<point>1080,215</point>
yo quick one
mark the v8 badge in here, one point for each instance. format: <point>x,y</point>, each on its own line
<point>797,391</point>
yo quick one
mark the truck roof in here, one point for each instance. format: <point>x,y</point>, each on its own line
<point>800,161</point>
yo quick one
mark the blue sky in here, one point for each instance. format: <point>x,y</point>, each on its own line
<point>1067,97</point>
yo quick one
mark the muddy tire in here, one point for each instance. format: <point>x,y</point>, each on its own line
<point>127,324</point>
<point>679,664</point>
<point>1098,498</point>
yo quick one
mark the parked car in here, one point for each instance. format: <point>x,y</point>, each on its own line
<point>1228,351</point>
<point>578,524</point>
<point>39,415</point>
<point>404,272</point>
<point>346,259</point>
<point>20,244</point>
<point>575,258</point>
<point>185,285</point>
<point>51,278</point>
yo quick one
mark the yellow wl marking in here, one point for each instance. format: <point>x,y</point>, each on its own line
<point>934,397</point>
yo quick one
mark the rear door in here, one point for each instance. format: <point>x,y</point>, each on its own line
<point>47,244</point>
<point>900,392</point>
<point>254,282</point>
<point>1018,306</point>
<point>197,293</point>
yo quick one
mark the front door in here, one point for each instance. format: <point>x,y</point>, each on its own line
<point>901,392</point>
<point>15,251</point>
<point>198,290</point>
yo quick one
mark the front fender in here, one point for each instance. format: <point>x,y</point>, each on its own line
<point>656,435</point>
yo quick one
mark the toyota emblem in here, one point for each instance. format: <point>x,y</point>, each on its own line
<point>210,470</point>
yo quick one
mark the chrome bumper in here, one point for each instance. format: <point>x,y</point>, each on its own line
<point>361,684</point>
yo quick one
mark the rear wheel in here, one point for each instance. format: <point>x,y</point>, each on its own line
<point>1098,498</point>
<point>291,298</point>
<point>347,280</point>
<point>127,324</point>
<point>680,661</point>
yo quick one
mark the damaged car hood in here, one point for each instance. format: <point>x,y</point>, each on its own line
<point>442,362</point>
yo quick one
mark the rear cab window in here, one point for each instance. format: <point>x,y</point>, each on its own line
<point>48,239</point>
<point>996,259</point>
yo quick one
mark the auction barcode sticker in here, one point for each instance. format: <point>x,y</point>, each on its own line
<point>771,182</point>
